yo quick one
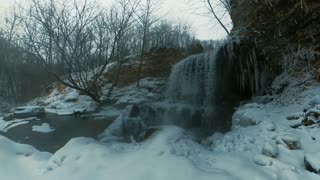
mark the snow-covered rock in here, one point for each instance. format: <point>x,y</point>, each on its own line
<point>270,149</point>
<point>247,115</point>
<point>269,126</point>
<point>312,162</point>
<point>262,160</point>
<point>28,111</point>
<point>66,102</point>
<point>290,141</point>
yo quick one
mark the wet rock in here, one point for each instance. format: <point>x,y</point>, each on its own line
<point>129,126</point>
<point>197,117</point>
<point>134,111</point>
<point>134,127</point>
<point>71,99</point>
<point>151,114</point>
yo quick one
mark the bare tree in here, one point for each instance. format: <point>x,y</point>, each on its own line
<point>79,35</point>
<point>146,19</point>
<point>122,21</point>
<point>167,34</point>
<point>8,61</point>
<point>223,4</point>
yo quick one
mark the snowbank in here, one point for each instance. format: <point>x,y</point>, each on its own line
<point>170,154</point>
<point>20,161</point>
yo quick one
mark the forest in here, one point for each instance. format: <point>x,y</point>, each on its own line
<point>159,89</point>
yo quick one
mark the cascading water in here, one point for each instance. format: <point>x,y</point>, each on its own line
<point>192,80</point>
<point>191,92</point>
<point>197,99</point>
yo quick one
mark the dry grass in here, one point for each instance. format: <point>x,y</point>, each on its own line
<point>155,64</point>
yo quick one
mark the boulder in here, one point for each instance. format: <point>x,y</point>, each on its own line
<point>127,126</point>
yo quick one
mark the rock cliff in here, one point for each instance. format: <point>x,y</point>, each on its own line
<point>268,37</point>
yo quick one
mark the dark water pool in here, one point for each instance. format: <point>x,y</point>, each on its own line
<point>66,127</point>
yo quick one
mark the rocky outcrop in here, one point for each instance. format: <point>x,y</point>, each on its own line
<point>268,35</point>
<point>275,24</point>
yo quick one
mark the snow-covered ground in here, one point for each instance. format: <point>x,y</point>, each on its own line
<point>262,145</point>
<point>70,100</point>
<point>66,102</point>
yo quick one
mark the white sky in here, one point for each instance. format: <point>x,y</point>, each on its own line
<point>175,10</point>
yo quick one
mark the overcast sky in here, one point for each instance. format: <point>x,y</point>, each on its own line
<point>177,10</point>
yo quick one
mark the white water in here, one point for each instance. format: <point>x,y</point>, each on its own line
<point>193,79</point>
<point>191,91</point>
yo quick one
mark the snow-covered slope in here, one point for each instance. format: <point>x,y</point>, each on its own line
<point>69,100</point>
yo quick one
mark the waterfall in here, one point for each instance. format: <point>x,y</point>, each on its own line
<point>193,80</point>
<point>191,92</point>
<point>204,89</point>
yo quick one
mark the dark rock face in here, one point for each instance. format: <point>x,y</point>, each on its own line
<point>275,25</point>
<point>242,70</point>
<point>264,31</point>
